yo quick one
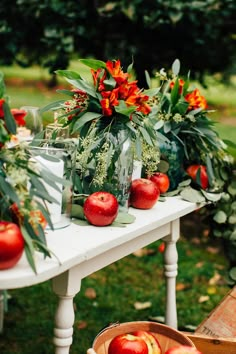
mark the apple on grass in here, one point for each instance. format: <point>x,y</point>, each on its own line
<point>183,349</point>
<point>101,208</point>
<point>143,193</point>
<point>162,181</point>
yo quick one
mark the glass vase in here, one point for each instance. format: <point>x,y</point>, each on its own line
<point>173,153</point>
<point>110,163</point>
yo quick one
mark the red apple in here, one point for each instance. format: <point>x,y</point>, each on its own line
<point>127,344</point>
<point>11,244</point>
<point>183,349</point>
<point>151,341</point>
<point>143,193</point>
<point>192,171</point>
<point>101,208</point>
<point>162,181</point>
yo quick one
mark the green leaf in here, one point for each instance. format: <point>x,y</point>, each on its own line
<point>229,143</point>
<point>233,236</point>
<point>232,273</point>
<point>54,105</point>
<point>192,195</point>
<point>125,218</point>
<point>163,166</point>
<point>232,219</point>
<point>220,217</point>
<point>232,189</point>
<point>93,63</point>
<point>185,183</point>
<point>10,121</point>
<point>77,211</point>
<point>148,79</point>
<point>7,190</point>
<point>85,118</point>
<point>84,86</point>
<point>69,74</point>
<point>175,93</point>
<point>29,248</point>
<point>213,197</point>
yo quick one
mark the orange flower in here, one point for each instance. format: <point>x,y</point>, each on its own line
<point>19,115</point>
<point>110,99</point>
<point>115,70</point>
<point>196,100</point>
<point>98,79</point>
<point>181,84</point>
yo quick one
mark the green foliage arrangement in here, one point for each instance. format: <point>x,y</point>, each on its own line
<point>22,189</point>
<point>182,116</point>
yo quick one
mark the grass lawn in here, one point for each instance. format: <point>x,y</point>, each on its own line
<point>110,295</point>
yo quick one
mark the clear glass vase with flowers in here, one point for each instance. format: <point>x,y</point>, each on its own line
<point>110,115</point>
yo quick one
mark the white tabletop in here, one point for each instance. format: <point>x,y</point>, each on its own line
<point>76,244</point>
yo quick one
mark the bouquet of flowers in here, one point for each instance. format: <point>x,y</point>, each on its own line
<point>107,113</point>
<point>182,117</point>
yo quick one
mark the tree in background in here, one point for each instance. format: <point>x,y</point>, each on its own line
<point>49,33</point>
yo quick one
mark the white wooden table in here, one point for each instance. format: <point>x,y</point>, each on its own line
<point>83,250</point>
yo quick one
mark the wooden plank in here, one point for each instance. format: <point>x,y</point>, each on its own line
<point>210,345</point>
<point>221,322</point>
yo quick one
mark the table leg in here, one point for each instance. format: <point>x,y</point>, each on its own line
<point>171,271</point>
<point>65,286</point>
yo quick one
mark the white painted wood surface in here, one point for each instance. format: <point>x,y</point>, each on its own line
<point>83,250</point>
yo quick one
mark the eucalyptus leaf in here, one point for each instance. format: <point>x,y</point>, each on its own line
<point>125,218</point>
<point>192,195</point>
<point>232,189</point>
<point>220,217</point>
<point>213,197</point>
<point>232,219</point>
<point>163,166</point>
<point>233,236</point>
<point>176,67</point>
<point>232,273</point>
<point>77,212</point>
<point>185,183</point>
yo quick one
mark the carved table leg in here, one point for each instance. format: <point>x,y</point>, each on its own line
<point>66,286</point>
<point>171,271</point>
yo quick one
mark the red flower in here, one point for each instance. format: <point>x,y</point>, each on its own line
<point>19,115</point>
<point>196,100</point>
<point>2,101</point>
